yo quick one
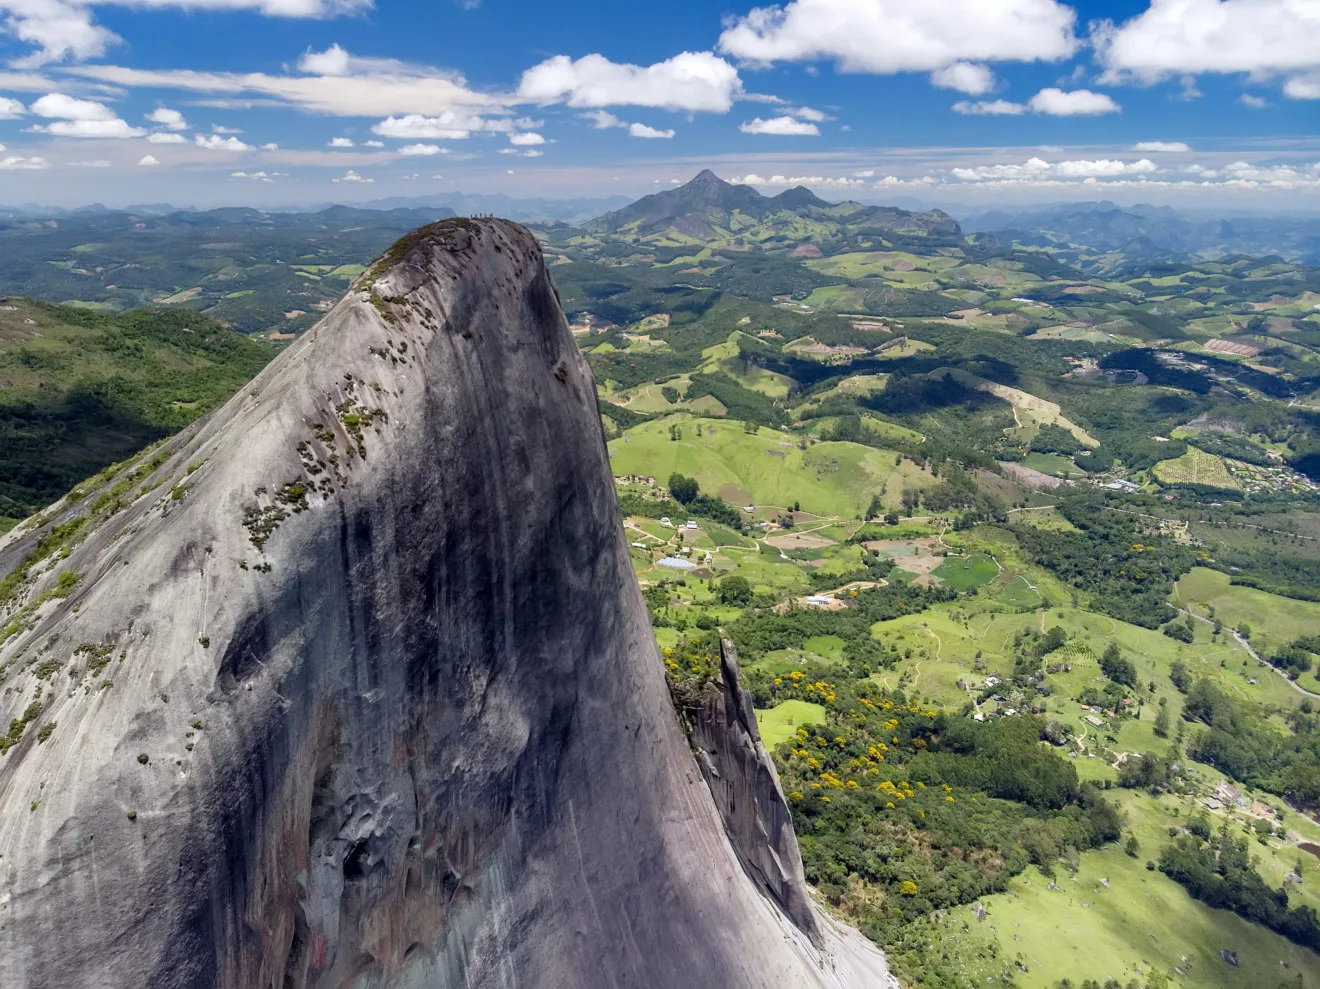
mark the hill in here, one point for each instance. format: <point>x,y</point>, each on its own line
<point>81,389</point>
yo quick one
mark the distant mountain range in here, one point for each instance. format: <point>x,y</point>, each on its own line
<point>534,210</point>
<point>1145,232</point>
<point>253,270</point>
<point>711,211</point>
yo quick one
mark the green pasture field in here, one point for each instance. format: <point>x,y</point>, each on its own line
<point>778,724</point>
<point>963,573</point>
<point>838,297</point>
<point>833,479</point>
<point>948,641</point>
<point>1274,620</point>
<point>769,383</point>
<point>1136,921</point>
<point>1052,464</point>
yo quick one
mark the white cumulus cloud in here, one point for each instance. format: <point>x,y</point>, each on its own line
<point>642,130</point>
<point>352,176</point>
<point>1051,102</point>
<point>91,128</point>
<point>166,137</point>
<point>72,117</point>
<point>10,109</point>
<point>1104,167</point>
<point>167,118</point>
<point>818,181</point>
<point>695,81</point>
<point>17,163</point>
<point>887,36</point>
<point>1303,87</point>
<point>342,142</point>
<point>1039,168</point>
<point>335,61</point>
<point>451,125</point>
<point>214,142</point>
<point>527,139</point>
<point>1188,37</point>
<point>965,77</point>
<point>148,161</point>
<point>1161,146</point>
<point>414,150</point>
<point>70,108</point>
<point>1031,167</point>
<point>781,126</point>
<point>1077,103</point>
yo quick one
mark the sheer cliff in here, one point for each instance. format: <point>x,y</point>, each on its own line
<point>350,685</point>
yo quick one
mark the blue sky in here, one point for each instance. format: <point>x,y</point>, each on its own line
<point>1193,102</point>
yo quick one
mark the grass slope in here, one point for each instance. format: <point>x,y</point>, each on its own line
<point>769,467</point>
<point>1141,920</point>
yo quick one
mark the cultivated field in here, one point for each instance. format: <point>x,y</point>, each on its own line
<point>1196,467</point>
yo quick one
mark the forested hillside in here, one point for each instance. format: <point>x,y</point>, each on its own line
<point>81,389</point>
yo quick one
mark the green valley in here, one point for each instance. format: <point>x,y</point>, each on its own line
<point>1018,539</point>
<point>1003,547</point>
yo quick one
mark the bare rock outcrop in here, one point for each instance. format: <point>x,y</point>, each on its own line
<point>743,781</point>
<point>351,685</point>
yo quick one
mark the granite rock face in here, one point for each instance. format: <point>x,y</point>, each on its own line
<point>351,685</point>
<point>743,781</point>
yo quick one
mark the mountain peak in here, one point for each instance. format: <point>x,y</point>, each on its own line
<point>799,197</point>
<point>710,187</point>
<point>368,661</point>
